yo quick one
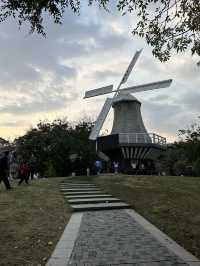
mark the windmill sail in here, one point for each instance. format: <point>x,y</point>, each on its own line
<point>99,91</point>
<point>130,67</point>
<point>101,118</point>
<point>147,87</point>
<point>109,89</point>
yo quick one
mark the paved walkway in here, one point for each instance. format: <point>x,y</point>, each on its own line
<point>114,238</point>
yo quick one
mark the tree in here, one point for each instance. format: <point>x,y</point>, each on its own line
<point>191,141</point>
<point>53,143</point>
<point>183,157</point>
<point>4,143</point>
<point>172,161</point>
<point>165,24</point>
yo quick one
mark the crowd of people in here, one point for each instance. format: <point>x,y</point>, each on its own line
<point>114,167</point>
<point>24,170</point>
<point>11,168</point>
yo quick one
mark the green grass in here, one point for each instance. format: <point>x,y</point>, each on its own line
<point>32,218</point>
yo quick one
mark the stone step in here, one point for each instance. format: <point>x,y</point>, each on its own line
<point>87,196</point>
<point>78,184</point>
<point>93,190</point>
<point>92,200</point>
<point>71,186</point>
<point>99,206</point>
<point>78,189</point>
<point>68,187</point>
<point>82,192</point>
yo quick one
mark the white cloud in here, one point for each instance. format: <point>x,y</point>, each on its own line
<point>46,77</point>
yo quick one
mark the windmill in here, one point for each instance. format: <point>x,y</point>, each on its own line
<point>129,141</point>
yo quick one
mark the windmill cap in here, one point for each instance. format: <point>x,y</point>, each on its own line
<point>122,97</point>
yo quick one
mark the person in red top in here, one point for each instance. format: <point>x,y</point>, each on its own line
<point>24,172</point>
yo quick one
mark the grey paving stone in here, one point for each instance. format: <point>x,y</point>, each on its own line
<point>79,189</point>
<point>57,262</point>
<point>99,206</point>
<point>82,192</point>
<point>114,238</point>
<point>64,247</point>
<point>93,200</point>
<point>78,184</point>
<point>88,196</point>
<point>67,185</point>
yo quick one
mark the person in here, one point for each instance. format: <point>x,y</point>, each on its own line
<point>116,166</point>
<point>32,166</point>
<point>98,166</point>
<point>23,172</point>
<point>88,171</point>
<point>4,169</point>
<point>133,164</point>
<point>13,166</point>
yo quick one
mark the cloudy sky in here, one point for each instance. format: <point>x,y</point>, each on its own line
<point>45,78</point>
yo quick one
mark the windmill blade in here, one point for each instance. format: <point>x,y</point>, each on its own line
<point>130,67</point>
<point>100,120</point>
<point>147,87</point>
<point>99,91</point>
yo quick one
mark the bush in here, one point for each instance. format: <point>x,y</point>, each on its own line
<point>196,167</point>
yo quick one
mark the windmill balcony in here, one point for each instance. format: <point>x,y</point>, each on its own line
<point>131,139</point>
<point>135,138</point>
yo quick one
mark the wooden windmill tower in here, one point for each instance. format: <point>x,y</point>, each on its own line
<point>129,143</point>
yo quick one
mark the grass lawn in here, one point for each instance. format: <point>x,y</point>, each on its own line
<point>32,218</point>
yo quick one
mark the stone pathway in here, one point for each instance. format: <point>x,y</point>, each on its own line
<point>87,197</point>
<point>113,237</point>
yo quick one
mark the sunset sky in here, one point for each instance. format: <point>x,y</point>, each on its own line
<point>45,78</point>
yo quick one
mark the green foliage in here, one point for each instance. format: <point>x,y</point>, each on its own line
<point>183,157</point>
<point>165,24</point>
<point>33,11</point>
<point>179,167</point>
<point>52,144</point>
<point>49,169</point>
<point>197,167</point>
<point>191,141</point>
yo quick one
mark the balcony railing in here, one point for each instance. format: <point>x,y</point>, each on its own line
<point>141,138</point>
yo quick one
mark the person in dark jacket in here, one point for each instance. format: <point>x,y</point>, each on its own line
<point>23,172</point>
<point>4,170</point>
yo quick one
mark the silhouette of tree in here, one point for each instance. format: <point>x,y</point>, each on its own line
<point>53,143</point>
